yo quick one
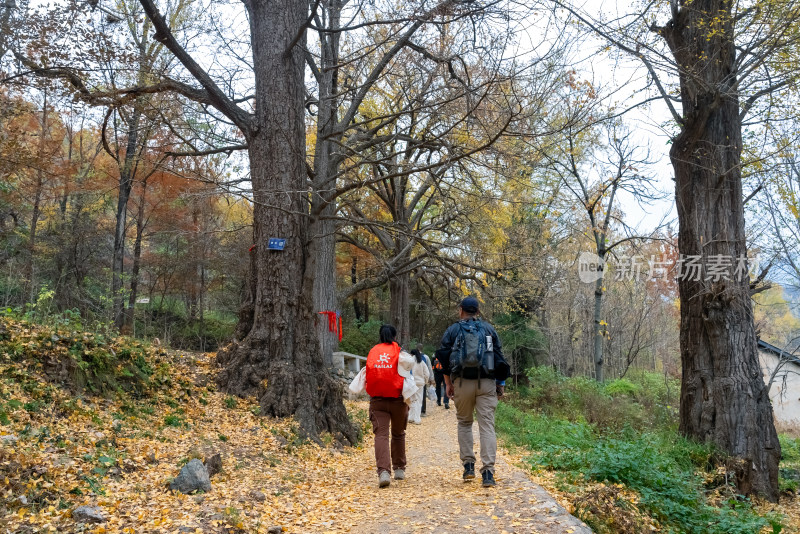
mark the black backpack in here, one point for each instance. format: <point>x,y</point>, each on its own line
<point>472,351</point>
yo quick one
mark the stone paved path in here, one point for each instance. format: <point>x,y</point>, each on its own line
<point>434,498</point>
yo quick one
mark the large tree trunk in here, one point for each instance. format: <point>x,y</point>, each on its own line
<point>325,283</point>
<point>326,168</point>
<point>723,397</point>
<point>324,238</point>
<point>279,358</point>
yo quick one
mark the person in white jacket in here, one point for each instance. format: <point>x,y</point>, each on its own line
<point>421,376</point>
<point>430,373</point>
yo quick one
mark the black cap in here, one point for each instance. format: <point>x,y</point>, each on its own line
<point>469,305</point>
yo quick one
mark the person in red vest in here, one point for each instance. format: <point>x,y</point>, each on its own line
<point>387,408</point>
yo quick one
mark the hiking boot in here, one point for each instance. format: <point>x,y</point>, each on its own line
<point>384,479</point>
<point>399,474</point>
<point>469,471</point>
<point>438,404</point>
<point>446,406</point>
<point>488,479</point>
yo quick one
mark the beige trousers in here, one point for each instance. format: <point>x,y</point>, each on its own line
<point>476,396</point>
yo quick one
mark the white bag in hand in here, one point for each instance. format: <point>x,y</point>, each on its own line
<point>409,388</point>
<point>359,383</point>
<point>431,393</point>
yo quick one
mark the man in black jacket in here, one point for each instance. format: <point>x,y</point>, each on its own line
<point>477,394</point>
<point>438,376</point>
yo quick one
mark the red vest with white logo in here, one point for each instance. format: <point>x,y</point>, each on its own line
<point>383,380</point>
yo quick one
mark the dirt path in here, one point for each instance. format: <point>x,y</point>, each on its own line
<point>434,498</point>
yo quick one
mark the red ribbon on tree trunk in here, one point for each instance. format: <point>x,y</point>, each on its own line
<point>333,319</point>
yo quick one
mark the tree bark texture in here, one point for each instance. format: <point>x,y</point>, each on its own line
<point>399,287</point>
<point>723,397</point>
<point>326,167</point>
<point>325,281</point>
<point>324,241</point>
<point>280,358</point>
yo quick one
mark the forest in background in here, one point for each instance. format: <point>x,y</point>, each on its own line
<point>187,239</point>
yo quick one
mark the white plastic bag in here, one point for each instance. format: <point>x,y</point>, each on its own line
<point>359,383</point>
<point>431,393</point>
<point>409,388</point>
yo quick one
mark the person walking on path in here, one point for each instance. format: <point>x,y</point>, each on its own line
<point>387,410</point>
<point>438,377</point>
<point>474,371</point>
<point>430,379</point>
<point>421,378</point>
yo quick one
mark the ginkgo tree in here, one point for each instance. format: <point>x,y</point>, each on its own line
<point>419,180</point>
<point>424,174</point>
<point>710,63</point>
<point>375,70</point>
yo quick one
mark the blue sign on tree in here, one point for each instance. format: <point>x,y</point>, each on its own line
<point>276,243</point>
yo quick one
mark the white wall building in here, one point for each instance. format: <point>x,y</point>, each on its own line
<point>785,389</point>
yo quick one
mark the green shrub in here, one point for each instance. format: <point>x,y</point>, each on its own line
<point>790,449</point>
<point>621,387</point>
<point>208,335</point>
<point>638,401</point>
<point>655,388</point>
<point>359,338</point>
<point>170,323</point>
<point>523,343</point>
<point>578,399</point>
<point>789,472</point>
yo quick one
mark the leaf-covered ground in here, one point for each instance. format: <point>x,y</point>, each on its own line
<point>62,447</point>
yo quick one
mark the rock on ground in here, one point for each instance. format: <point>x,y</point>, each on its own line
<point>9,439</point>
<point>192,477</point>
<point>88,514</point>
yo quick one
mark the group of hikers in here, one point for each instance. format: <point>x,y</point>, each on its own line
<point>469,366</point>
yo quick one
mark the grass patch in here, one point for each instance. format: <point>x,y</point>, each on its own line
<point>175,420</point>
<point>618,443</point>
<point>789,475</point>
